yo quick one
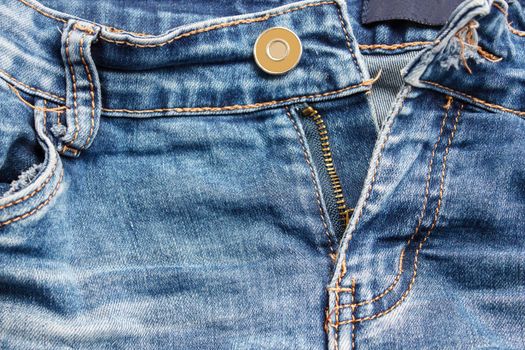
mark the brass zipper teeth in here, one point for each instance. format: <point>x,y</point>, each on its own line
<point>337,189</point>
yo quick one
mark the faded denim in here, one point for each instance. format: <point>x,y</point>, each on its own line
<point>158,190</point>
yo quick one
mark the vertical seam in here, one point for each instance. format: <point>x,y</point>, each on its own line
<point>348,41</point>
<point>91,91</point>
<point>312,174</point>
<point>424,240</point>
<point>430,166</point>
<point>74,79</point>
<point>353,314</point>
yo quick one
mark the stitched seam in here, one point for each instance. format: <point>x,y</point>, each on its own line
<point>219,26</point>
<point>91,92</point>
<point>312,174</point>
<point>329,163</point>
<point>353,315</point>
<point>212,109</point>
<point>32,106</point>
<point>42,12</point>
<point>509,24</point>
<point>367,196</point>
<point>394,46</point>
<point>421,215</point>
<point>348,41</point>
<point>30,87</point>
<point>337,308</point>
<point>74,79</point>
<point>35,210</point>
<point>242,107</point>
<point>28,196</point>
<point>475,99</point>
<point>430,230</point>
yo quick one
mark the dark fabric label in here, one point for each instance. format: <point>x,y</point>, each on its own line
<point>429,12</point>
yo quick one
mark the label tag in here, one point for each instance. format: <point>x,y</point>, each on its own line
<point>428,12</point>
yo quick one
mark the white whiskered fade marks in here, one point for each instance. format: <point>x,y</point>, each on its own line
<point>24,179</point>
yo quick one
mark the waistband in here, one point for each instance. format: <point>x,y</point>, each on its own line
<point>208,66</point>
<point>195,68</point>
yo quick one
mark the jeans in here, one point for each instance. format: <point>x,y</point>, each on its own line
<point>159,190</point>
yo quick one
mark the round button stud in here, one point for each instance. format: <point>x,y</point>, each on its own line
<point>277,50</point>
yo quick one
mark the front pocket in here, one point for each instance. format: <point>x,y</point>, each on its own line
<point>30,168</point>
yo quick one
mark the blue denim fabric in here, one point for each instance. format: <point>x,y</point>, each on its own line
<point>158,190</point>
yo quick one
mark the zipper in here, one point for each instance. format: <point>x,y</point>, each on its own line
<point>337,189</point>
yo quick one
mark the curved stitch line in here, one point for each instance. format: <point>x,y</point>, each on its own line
<point>421,215</point>
<point>423,241</point>
<point>91,92</point>
<point>42,12</point>
<point>28,196</point>
<point>9,76</point>
<point>478,100</point>
<point>40,206</point>
<point>509,24</point>
<point>32,106</point>
<point>312,174</point>
<point>262,18</point>
<point>395,46</point>
<point>74,79</point>
<point>241,107</point>
<point>369,190</point>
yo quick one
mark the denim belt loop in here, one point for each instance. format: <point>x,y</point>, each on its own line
<point>83,99</point>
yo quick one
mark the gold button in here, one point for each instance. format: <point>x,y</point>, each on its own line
<point>277,50</point>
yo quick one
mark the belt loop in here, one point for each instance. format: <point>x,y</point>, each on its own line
<point>82,87</point>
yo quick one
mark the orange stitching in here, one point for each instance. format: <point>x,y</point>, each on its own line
<point>241,107</point>
<point>28,196</point>
<point>367,196</point>
<point>219,26</point>
<point>85,29</point>
<point>353,315</point>
<point>337,288</point>
<point>421,215</point>
<point>475,99</point>
<point>509,24</point>
<point>32,106</point>
<point>489,56</point>
<point>42,12</point>
<point>395,46</point>
<point>30,87</point>
<point>74,79</point>
<point>40,206</point>
<point>432,227</point>
<point>312,173</point>
<point>91,92</point>
<point>45,117</point>
<point>337,299</point>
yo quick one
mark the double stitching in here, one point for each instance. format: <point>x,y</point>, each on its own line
<point>509,24</point>
<point>38,207</point>
<point>395,46</point>
<point>400,272</point>
<point>220,26</point>
<point>32,106</point>
<point>91,90</point>
<point>421,244</point>
<point>10,77</point>
<point>243,107</point>
<point>312,174</point>
<point>475,99</point>
<point>74,79</point>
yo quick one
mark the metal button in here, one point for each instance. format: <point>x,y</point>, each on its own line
<point>277,50</point>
